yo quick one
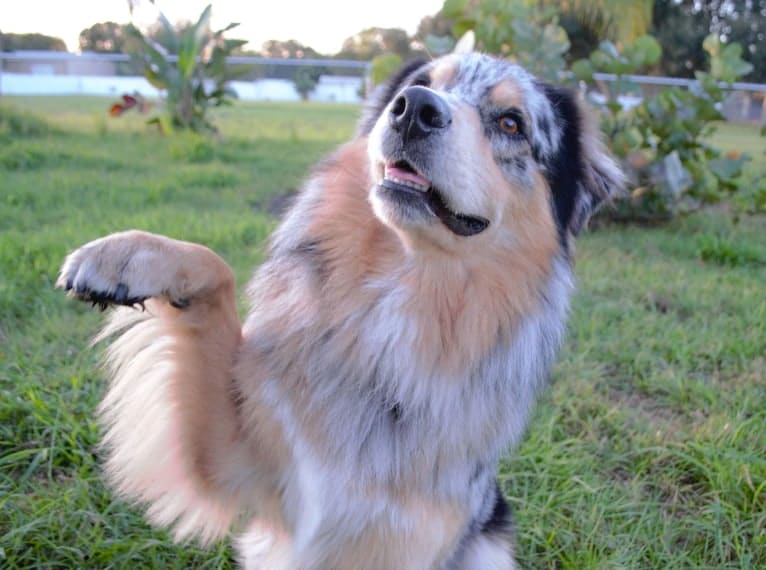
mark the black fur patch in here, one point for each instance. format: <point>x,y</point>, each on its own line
<point>384,93</point>
<point>566,169</point>
<point>501,519</point>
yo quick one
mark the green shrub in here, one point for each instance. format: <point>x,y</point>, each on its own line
<point>663,140</point>
<point>383,66</point>
<point>201,61</point>
<point>521,30</point>
<point>306,79</point>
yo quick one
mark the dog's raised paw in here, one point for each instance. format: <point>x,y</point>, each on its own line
<point>94,274</point>
<point>93,291</point>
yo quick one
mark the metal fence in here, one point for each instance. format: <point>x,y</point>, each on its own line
<point>36,72</point>
<point>259,78</point>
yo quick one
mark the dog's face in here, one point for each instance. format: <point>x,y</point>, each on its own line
<point>464,148</point>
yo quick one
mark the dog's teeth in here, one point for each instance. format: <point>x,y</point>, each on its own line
<point>407,183</point>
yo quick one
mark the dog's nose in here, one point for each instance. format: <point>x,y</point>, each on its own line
<point>418,112</point>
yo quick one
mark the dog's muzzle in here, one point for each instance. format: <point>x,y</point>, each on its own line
<point>418,112</point>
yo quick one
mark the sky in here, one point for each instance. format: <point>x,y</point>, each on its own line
<point>320,24</point>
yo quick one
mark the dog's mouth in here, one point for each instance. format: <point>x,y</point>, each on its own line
<point>402,177</point>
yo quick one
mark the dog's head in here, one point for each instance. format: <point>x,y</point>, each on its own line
<point>465,147</point>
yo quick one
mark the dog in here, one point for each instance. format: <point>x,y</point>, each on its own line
<point>411,306</point>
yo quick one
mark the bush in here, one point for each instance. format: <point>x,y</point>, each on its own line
<point>197,80</point>
<point>522,30</point>
<point>662,141</point>
<point>306,79</point>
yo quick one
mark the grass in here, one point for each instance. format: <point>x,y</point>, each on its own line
<point>646,452</point>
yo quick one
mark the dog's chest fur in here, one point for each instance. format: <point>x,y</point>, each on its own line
<point>379,388</point>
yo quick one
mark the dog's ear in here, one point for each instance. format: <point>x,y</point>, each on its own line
<point>580,171</point>
<point>382,95</point>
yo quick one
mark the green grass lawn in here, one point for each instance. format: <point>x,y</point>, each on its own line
<point>648,451</point>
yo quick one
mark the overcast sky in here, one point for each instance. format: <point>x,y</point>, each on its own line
<point>321,24</point>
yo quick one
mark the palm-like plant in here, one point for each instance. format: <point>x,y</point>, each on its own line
<point>190,67</point>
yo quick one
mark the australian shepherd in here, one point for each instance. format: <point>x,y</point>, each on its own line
<point>408,314</point>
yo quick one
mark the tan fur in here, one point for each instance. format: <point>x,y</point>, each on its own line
<point>444,72</point>
<point>506,94</point>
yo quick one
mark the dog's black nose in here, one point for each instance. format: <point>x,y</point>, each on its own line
<point>417,112</point>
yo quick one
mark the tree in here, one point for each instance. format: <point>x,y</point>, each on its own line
<point>105,37</point>
<point>41,42</point>
<point>373,42</point>
<point>437,25</point>
<point>291,49</point>
<point>681,26</point>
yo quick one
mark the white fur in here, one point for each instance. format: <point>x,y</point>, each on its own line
<point>145,462</point>
<point>485,553</point>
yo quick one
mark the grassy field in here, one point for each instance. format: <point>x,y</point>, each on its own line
<point>648,451</point>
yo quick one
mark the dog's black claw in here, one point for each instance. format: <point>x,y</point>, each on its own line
<point>180,303</point>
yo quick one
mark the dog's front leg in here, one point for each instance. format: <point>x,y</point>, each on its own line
<point>170,412</point>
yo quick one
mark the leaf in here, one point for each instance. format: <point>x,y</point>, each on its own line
<point>192,42</point>
<point>171,35</point>
<point>645,51</point>
<point>454,8</point>
<point>230,45</point>
<point>583,70</point>
<point>726,168</point>
<point>609,49</point>
<point>231,26</point>
<point>461,27</point>
<point>712,44</point>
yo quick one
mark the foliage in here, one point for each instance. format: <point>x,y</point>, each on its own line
<point>681,26</point>
<point>383,66</point>
<point>616,123</point>
<point>372,42</point>
<point>305,80</point>
<point>288,49</point>
<point>105,37</point>
<point>196,79</point>
<point>646,450</point>
<point>663,141</point>
<point>520,30</point>
<point>616,20</point>
<point>39,42</point>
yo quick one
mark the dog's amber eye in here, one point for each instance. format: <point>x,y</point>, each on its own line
<point>508,125</point>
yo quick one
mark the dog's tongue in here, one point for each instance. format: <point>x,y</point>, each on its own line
<point>401,174</point>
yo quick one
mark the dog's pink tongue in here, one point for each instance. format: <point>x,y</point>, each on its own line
<point>396,172</point>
